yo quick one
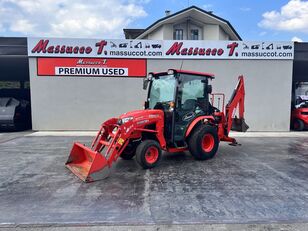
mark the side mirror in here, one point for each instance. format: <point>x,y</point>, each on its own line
<point>209,89</point>
<point>145,83</point>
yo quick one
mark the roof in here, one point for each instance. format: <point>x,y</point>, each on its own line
<point>186,10</point>
<point>203,74</point>
<point>133,32</point>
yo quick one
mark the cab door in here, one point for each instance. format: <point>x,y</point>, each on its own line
<point>192,101</point>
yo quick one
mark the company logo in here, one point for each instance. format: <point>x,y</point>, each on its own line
<point>90,62</point>
<point>188,116</point>
<point>178,49</point>
<point>43,47</point>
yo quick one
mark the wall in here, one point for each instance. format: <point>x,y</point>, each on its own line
<point>80,103</point>
<point>168,31</point>
<point>210,32</point>
<point>157,34</point>
<point>223,35</point>
<point>268,87</point>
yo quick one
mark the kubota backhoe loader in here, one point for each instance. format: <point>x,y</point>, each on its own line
<point>178,116</point>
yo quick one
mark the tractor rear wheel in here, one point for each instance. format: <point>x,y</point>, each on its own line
<point>298,125</point>
<point>148,154</point>
<point>203,143</point>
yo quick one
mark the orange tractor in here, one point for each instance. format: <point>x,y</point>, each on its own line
<point>179,115</point>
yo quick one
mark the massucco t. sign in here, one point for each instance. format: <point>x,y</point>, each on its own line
<point>159,49</point>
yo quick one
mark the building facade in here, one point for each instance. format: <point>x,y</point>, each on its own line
<point>192,23</point>
<point>76,84</point>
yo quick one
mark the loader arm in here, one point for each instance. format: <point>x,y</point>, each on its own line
<point>236,101</point>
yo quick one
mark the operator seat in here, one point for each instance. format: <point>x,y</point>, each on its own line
<point>189,105</point>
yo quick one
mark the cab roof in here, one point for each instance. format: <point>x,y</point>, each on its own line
<point>203,74</point>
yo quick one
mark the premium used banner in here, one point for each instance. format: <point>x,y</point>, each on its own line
<point>88,67</point>
<point>159,49</point>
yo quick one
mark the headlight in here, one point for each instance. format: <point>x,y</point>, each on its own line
<point>125,120</point>
<point>114,131</point>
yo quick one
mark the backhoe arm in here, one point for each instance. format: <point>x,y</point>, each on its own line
<point>236,101</point>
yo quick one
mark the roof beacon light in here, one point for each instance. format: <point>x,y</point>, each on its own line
<point>150,76</point>
<point>170,72</point>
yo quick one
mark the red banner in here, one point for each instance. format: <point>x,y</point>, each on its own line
<point>91,67</point>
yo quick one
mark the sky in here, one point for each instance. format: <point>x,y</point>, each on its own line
<point>254,20</point>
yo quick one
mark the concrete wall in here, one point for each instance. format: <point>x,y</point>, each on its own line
<point>157,34</point>
<point>268,87</point>
<point>210,32</point>
<point>80,103</point>
<point>223,35</point>
<point>168,31</point>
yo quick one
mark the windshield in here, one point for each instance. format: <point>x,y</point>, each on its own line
<point>162,90</point>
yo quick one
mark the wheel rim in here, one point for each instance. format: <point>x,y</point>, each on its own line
<point>208,142</point>
<point>151,155</point>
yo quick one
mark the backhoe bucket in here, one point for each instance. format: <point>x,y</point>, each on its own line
<point>239,125</point>
<point>87,164</point>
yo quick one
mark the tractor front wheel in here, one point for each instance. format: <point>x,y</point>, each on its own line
<point>203,143</point>
<point>148,154</point>
<point>129,152</point>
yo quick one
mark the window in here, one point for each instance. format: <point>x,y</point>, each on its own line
<point>162,90</point>
<point>9,85</point>
<point>194,34</point>
<point>192,88</point>
<point>178,34</point>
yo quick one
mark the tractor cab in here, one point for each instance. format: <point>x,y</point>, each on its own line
<point>183,96</point>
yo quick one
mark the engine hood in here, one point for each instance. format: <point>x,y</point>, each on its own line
<point>138,113</point>
<point>143,114</point>
<point>135,114</point>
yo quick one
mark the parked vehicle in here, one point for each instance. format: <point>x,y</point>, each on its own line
<point>299,116</point>
<point>177,117</point>
<point>15,114</point>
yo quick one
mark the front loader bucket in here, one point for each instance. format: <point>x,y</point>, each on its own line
<point>239,125</point>
<point>87,164</point>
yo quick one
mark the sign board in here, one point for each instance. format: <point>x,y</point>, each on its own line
<point>159,49</point>
<point>91,67</point>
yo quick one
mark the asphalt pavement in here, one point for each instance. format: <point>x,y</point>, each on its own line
<point>260,185</point>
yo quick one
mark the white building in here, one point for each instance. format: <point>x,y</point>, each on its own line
<point>192,23</point>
